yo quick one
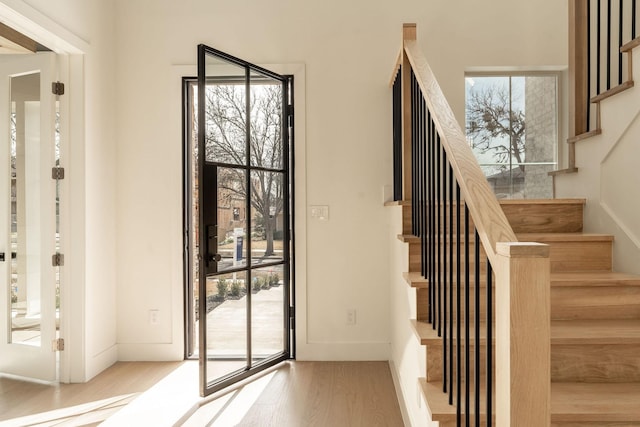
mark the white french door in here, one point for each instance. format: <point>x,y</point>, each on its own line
<point>29,286</point>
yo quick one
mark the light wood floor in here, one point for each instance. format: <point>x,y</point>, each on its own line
<point>300,394</point>
<point>292,394</point>
<point>22,398</point>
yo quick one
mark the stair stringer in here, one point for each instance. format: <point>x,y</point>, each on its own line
<point>408,356</point>
<point>601,162</point>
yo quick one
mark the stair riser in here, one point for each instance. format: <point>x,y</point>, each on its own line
<point>595,363</point>
<point>586,255</point>
<point>580,256</point>
<point>422,306</point>
<point>525,217</point>
<point>415,260</point>
<point>434,363</point>
<point>569,363</point>
<point>611,302</point>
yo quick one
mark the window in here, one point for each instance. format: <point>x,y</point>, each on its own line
<point>512,128</point>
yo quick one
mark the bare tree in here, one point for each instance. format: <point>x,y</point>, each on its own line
<point>226,142</point>
<point>494,125</point>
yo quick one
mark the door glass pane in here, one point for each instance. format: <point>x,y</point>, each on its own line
<point>225,112</point>
<point>267,312</point>
<point>267,226</point>
<point>226,324</point>
<point>232,218</point>
<point>26,207</point>
<point>266,122</point>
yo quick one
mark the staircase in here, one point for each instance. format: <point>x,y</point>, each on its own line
<point>595,319</point>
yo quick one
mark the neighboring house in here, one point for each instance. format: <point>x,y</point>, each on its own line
<point>125,169</point>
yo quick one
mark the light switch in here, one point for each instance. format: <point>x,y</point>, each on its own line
<point>320,212</point>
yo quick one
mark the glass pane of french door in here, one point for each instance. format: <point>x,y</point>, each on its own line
<point>241,220</point>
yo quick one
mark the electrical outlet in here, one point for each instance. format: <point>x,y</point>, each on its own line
<point>351,317</point>
<point>154,317</point>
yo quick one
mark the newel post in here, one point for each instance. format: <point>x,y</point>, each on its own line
<point>523,343</point>
<point>408,33</point>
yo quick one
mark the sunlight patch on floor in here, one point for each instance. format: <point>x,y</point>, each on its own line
<point>79,415</point>
<point>230,409</point>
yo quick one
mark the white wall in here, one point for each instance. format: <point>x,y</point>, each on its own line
<point>608,176</point>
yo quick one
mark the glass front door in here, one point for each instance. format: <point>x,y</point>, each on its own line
<point>239,208</point>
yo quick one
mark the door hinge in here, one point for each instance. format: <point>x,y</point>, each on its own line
<point>57,172</point>
<point>57,88</point>
<point>57,260</point>
<point>57,344</point>
<point>290,110</point>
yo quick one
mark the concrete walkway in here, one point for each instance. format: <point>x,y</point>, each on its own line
<point>226,326</point>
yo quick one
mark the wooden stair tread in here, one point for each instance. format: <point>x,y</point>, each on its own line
<point>438,401</point>
<point>613,91</point>
<point>563,332</point>
<point>583,136</point>
<point>593,278</point>
<point>570,402</point>
<point>429,336</point>
<point>536,237</point>
<point>592,332</point>
<point>582,402</point>
<point>571,201</point>
<point>563,237</point>
<point>415,279</point>
<point>558,279</point>
<point>408,238</point>
<point>398,203</point>
<point>586,402</point>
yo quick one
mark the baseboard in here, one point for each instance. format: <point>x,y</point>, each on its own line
<point>150,352</point>
<point>101,361</point>
<point>395,375</point>
<point>343,351</point>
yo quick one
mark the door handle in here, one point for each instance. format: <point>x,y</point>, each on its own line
<point>215,258</point>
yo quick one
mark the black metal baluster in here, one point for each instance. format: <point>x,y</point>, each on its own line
<point>423,206</point>
<point>439,233</point>
<point>414,206</point>
<point>418,200</point>
<point>458,312</point>
<point>477,325</point>
<point>451,244</point>
<point>620,43</point>
<point>467,355</point>
<point>598,47</point>
<point>445,360</point>
<point>489,361</point>
<point>428,236</point>
<point>432,234</point>
<point>633,21</point>
<point>397,136</point>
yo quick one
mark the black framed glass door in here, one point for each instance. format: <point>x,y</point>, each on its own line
<point>240,240</point>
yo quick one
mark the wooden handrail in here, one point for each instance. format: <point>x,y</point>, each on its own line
<point>488,217</point>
